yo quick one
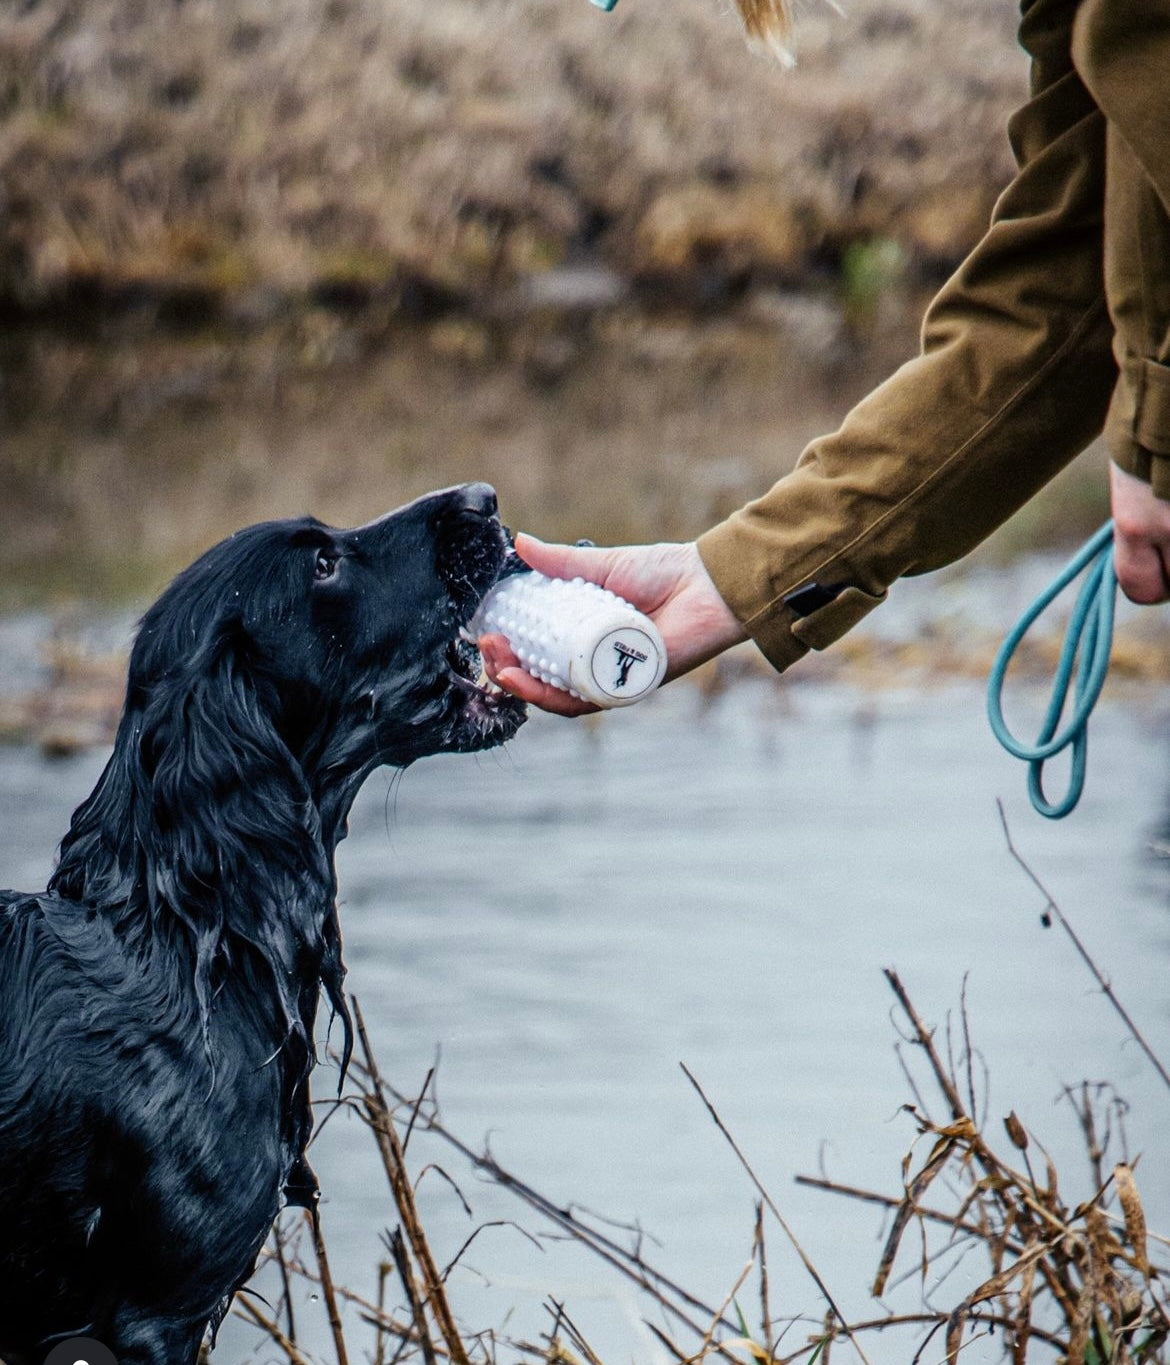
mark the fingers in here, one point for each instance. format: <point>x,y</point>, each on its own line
<point>565,561</point>
<point>530,689</point>
<point>496,654</point>
<point>503,668</point>
<point>1141,538</point>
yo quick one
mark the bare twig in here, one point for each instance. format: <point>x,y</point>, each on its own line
<point>709,1336</point>
<point>394,1162</point>
<point>813,1272</point>
<point>674,1350</point>
<point>575,1333</point>
<point>244,1307</point>
<point>397,1245</point>
<point>1107,989</point>
<point>327,1290</point>
<point>668,1293</point>
<point>278,1241</point>
<point>415,1111</point>
<point>483,1227</point>
<point>761,1251</point>
<point>925,1040</point>
<point>890,1202</point>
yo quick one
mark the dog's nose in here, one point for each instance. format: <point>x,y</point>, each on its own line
<point>477,497</point>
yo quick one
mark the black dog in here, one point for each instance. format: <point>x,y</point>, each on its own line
<point>157,1002</point>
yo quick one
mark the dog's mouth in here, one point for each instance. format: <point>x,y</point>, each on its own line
<point>465,672</point>
<point>484,714</point>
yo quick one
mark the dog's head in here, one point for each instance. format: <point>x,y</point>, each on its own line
<point>352,640</point>
<point>265,683</point>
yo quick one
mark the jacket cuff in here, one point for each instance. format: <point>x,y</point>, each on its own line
<point>1142,464</point>
<point>770,629</point>
<point>1137,430</point>
<point>782,635</point>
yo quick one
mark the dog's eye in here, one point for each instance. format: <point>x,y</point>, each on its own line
<point>325,566</point>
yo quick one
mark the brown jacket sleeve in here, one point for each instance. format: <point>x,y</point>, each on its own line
<point>1122,51</point>
<point>1013,379</point>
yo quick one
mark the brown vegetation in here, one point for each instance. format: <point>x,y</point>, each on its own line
<point>1072,1280</point>
<point>267,257</point>
<point>226,154</point>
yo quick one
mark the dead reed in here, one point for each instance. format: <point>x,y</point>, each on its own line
<point>1076,1279</point>
<point>767,22</point>
<point>219,161</point>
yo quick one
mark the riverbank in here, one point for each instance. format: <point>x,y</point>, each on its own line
<point>62,683</point>
<point>208,163</point>
<point>266,260</point>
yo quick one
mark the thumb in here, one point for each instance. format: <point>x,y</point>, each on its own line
<point>566,561</point>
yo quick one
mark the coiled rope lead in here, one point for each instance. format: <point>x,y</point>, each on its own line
<point>1086,648</point>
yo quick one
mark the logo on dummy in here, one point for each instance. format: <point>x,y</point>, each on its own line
<point>627,658</point>
<point>80,1351</point>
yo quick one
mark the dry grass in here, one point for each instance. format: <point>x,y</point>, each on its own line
<point>357,147</point>
<point>1077,1279</point>
<point>218,215</point>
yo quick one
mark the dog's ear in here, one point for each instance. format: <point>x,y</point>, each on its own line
<point>203,826</point>
<point>224,789</point>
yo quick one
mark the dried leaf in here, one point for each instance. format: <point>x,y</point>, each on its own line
<point>906,1208</point>
<point>955,1325</point>
<point>1053,1191</point>
<point>753,1348</point>
<point>1015,1131</point>
<point>1023,1322</point>
<point>1135,1218</point>
<point>1103,1245</point>
<point>1103,1248</point>
<point>991,1288</point>
<point>963,1130</point>
<point>1078,1338</point>
<point>996,1284</point>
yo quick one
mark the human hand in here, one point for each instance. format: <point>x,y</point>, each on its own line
<point>668,582</point>
<point>1141,538</point>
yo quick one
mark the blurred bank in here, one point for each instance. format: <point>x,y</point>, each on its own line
<point>263,259</point>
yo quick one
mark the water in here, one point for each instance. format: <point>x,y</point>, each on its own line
<point>717,881</point>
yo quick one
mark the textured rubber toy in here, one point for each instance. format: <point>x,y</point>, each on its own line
<point>581,638</point>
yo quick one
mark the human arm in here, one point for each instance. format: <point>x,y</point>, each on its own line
<point>1013,379</point>
<point>1122,49</point>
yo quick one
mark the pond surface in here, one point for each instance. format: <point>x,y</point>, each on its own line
<point>718,880</point>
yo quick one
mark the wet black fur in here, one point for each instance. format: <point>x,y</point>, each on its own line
<point>157,1002</point>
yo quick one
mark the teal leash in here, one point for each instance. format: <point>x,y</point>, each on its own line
<point>1085,653</point>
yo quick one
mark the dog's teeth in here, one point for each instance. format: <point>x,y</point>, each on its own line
<point>466,636</point>
<point>485,685</point>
